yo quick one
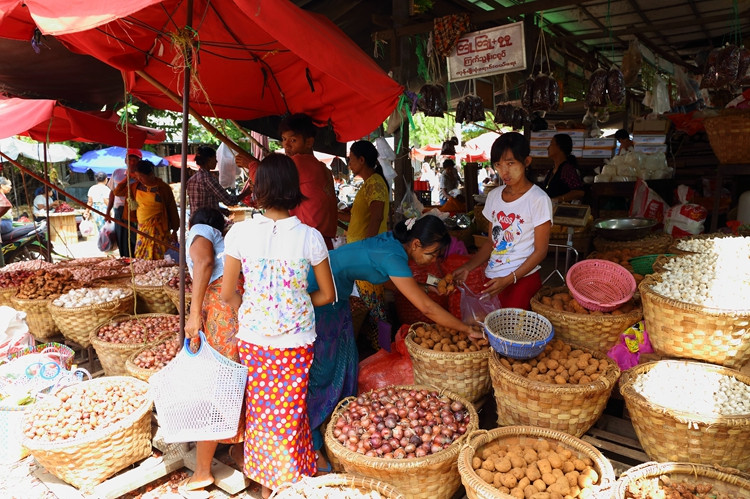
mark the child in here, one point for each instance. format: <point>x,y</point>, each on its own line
<point>276,323</point>
<point>320,208</point>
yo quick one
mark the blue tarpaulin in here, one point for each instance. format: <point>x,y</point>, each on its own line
<point>110,159</point>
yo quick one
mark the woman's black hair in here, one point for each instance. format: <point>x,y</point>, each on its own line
<point>277,183</point>
<point>208,216</point>
<point>367,150</point>
<point>145,167</point>
<point>428,230</point>
<point>203,154</point>
<point>513,141</point>
<point>565,144</point>
<point>622,134</point>
<point>449,163</point>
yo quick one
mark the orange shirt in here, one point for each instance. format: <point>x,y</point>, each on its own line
<point>320,209</point>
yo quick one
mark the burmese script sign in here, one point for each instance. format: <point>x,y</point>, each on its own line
<point>488,52</point>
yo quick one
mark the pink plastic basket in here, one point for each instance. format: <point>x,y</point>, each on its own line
<point>600,284</point>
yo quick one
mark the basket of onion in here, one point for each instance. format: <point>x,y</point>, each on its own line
<point>87,432</point>
<point>172,290</point>
<point>116,339</point>
<point>10,282</point>
<point>148,360</point>
<point>149,290</point>
<point>407,436</point>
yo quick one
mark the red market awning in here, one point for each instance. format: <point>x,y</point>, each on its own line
<point>252,58</point>
<point>176,161</point>
<point>46,119</point>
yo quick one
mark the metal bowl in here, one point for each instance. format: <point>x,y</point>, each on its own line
<point>624,229</point>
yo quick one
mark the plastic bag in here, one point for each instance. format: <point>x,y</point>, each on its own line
<point>228,169</point>
<point>87,228</point>
<point>615,86</point>
<point>633,342</point>
<point>660,97</point>
<point>199,396</point>
<point>387,368</point>
<point>14,332</point>
<point>528,93</point>
<point>596,96</point>
<point>684,219</point>
<point>475,307</point>
<point>631,63</point>
<point>647,203</point>
<point>410,206</point>
<point>107,239</point>
<point>540,100</point>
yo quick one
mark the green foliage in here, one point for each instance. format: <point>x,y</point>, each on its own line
<point>429,130</point>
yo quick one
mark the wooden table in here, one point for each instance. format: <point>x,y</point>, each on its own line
<point>239,213</point>
<point>63,227</point>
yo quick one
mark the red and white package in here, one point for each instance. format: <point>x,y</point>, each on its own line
<point>647,203</point>
<point>685,219</point>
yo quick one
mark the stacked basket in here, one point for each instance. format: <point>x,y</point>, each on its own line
<point>651,244</point>
<point>38,317</point>
<point>154,299</point>
<point>727,134</point>
<point>174,296</point>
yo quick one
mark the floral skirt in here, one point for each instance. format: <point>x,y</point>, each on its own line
<point>278,444</point>
<point>150,249</point>
<point>374,297</point>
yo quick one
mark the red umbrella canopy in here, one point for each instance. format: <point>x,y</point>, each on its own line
<point>42,119</point>
<point>251,58</point>
<point>176,161</point>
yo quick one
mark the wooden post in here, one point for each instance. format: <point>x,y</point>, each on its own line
<point>471,183</point>
<point>401,51</point>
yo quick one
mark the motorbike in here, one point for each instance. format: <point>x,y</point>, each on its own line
<point>26,242</point>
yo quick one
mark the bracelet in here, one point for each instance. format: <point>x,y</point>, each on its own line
<point>515,280</point>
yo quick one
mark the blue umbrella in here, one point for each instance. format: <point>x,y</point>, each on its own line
<point>110,159</point>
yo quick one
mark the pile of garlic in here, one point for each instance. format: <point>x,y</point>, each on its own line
<point>708,392</point>
<point>710,280</point>
<point>85,297</point>
<point>157,277</point>
<point>717,245</point>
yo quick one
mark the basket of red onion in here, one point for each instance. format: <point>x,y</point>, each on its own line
<point>408,436</point>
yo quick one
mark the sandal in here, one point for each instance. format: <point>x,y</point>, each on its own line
<point>194,490</point>
<point>323,470</point>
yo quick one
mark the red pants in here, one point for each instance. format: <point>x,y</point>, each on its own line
<point>519,295</point>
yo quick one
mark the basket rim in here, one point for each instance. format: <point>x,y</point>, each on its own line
<point>627,391</point>
<point>598,262</point>
<point>351,479</point>
<point>170,290</point>
<point>94,436</point>
<point>635,314</point>
<point>521,312</point>
<point>481,437</point>
<point>97,306</point>
<point>646,287</point>
<point>401,464</point>
<point>129,364</point>
<point>654,469</point>
<point>426,352</point>
<point>605,381</point>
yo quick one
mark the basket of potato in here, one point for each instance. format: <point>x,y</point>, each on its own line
<point>445,358</point>
<point>526,462</point>
<point>696,481</point>
<point>564,388</point>
<point>598,331</point>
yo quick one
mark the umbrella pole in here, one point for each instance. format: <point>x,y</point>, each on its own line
<point>46,203</point>
<point>183,171</point>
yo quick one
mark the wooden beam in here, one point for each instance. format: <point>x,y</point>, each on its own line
<point>701,22</point>
<point>646,21</point>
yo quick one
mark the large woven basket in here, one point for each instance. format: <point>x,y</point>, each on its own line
<point>653,243</point>
<point>113,356</point>
<point>595,332</point>
<point>76,323</point>
<point>569,408</point>
<point>466,374</point>
<point>139,372</point>
<point>728,134</point>
<point>89,460</point>
<point>429,477</point>
<point>339,482</point>
<point>679,329</point>
<point>600,284</point>
<point>153,299</point>
<point>174,296</point>
<point>38,317</point>
<point>723,480</point>
<point>6,294</point>
<point>671,435</point>
<point>476,488</point>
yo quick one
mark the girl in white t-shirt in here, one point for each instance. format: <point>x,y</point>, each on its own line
<point>520,215</point>
<point>276,323</point>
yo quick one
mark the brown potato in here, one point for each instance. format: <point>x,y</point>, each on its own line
<point>548,478</point>
<point>487,476</point>
<point>544,465</point>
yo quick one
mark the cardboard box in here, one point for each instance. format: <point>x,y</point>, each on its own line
<point>651,148</point>
<point>538,153</point>
<point>649,138</point>
<point>539,143</point>
<point>575,133</point>
<point>599,143</point>
<point>657,126</point>
<point>577,152</point>
<point>543,134</point>
<point>597,153</point>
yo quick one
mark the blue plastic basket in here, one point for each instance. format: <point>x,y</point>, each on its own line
<point>518,333</point>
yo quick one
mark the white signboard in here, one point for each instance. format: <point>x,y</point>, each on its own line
<point>488,52</point>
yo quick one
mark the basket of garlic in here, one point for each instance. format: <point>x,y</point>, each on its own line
<point>690,411</point>
<point>709,243</point>
<point>79,311</point>
<point>697,308</point>
<point>149,290</point>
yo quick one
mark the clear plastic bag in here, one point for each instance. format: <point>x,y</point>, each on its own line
<point>107,239</point>
<point>475,307</point>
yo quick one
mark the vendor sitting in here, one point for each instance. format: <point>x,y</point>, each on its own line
<point>563,184</point>
<point>40,204</point>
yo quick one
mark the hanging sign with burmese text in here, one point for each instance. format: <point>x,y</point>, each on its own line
<point>488,52</point>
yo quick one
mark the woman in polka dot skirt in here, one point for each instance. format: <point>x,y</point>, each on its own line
<point>274,252</point>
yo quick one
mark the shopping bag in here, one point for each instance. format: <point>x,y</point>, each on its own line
<point>199,396</point>
<point>475,307</point>
<point>107,239</point>
<point>386,368</point>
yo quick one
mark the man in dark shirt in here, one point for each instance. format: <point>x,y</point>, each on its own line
<point>204,190</point>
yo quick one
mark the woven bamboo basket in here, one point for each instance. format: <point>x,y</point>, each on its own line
<point>429,477</point>
<point>38,317</point>
<point>660,261</point>
<point>113,356</point>
<point>76,323</point>
<point>569,408</point>
<point>88,461</point>
<point>174,296</point>
<point>671,435</point>
<point>340,483</point>
<point>726,481</point>
<point>476,488</point>
<point>653,243</point>
<point>153,299</point>
<point>727,134</point>
<point>679,329</point>
<point>139,372</point>
<point>674,247</point>
<point>466,374</point>
<point>6,294</point>
<point>595,332</point>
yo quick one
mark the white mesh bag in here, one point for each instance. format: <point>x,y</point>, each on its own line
<point>199,396</point>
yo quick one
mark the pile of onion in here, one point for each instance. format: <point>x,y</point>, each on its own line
<point>401,423</point>
<point>159,355</point>
<point>139,330</point>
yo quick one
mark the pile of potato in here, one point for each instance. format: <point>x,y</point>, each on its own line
<point>443,339</point>
<point>542,470</point>
<point>559,364</point>
<point>662,487</point>
<point>565,302</point>
<point>446,285</point>
<point>42,284</point>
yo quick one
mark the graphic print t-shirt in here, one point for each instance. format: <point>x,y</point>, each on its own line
<point>513,228</point>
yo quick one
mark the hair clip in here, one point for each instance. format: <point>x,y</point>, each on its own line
<point>410,223</point>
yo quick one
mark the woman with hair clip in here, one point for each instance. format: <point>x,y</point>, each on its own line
<point>333,375</point>
<point>563,184</point>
